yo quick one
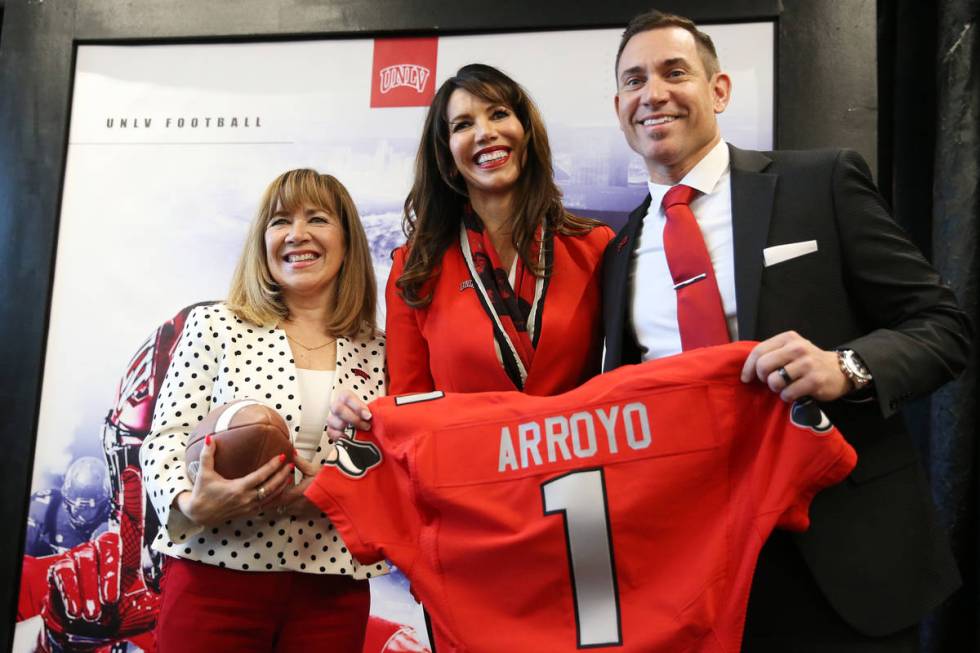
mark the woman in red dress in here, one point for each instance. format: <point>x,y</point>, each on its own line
<point>498,286</point>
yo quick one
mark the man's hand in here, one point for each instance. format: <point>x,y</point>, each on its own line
<point>96,591</point>
<point>794,367</point>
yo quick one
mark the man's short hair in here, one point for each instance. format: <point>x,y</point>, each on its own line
<point>654,19</point>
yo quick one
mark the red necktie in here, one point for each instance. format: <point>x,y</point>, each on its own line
<point>700,315</point>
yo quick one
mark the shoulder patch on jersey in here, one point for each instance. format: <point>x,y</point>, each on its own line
<point>807,415</point>
<point>354,458</point>
<point>419,397</point>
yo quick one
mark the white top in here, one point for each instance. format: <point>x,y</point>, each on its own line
<point>654,300</point>
<point>314,391</point>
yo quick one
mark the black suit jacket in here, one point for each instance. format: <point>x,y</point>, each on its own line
<point>875,546</point>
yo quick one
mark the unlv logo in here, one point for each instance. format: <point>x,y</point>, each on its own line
<point>403,74</point>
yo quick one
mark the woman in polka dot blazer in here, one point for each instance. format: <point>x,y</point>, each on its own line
<point>253,565</point>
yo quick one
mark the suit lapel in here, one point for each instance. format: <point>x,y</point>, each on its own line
<point>626,242</point>
<point>617,289</point>
<point>753,192</point>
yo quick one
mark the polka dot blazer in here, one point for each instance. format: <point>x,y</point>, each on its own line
<point>220,358</point>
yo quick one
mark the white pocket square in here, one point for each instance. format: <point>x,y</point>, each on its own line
<point>781,253</point>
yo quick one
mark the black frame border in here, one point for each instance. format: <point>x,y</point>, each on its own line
<point>826,95</point>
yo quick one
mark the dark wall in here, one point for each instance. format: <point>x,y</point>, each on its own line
<point>826,76</point>
<point>825,96</point>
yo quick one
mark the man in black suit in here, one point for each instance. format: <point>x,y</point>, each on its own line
<point>806,260</point>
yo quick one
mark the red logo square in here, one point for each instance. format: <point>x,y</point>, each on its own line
<point>404,72</point>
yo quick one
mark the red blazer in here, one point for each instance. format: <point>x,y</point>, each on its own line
<point>448,345</point>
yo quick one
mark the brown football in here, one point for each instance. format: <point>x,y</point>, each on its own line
<point>247,433</point>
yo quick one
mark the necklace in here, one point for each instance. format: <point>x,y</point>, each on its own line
<point>331,341</point>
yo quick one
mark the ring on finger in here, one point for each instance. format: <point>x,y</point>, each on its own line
<point>784,375</point>
<point>261,492</point>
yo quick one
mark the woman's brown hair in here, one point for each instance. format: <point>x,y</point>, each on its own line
<point>435,204</point>
<point>254,294</point>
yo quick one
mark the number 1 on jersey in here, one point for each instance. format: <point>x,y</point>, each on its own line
<point>580,497</point>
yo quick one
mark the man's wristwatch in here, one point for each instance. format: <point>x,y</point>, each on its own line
<point>853,368</point>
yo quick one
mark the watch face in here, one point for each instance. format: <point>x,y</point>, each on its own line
<point>854,367</point>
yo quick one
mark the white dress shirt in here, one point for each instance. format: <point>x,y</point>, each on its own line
<point>654,301</point>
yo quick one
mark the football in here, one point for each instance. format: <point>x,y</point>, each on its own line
<point>247,433</point>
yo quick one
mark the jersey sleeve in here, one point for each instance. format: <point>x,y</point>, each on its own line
<point>376,512</point>
<point>407,350</point>
<point>800,454</point>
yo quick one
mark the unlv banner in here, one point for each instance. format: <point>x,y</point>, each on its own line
<point>403,74</point>
<point>170,148</point>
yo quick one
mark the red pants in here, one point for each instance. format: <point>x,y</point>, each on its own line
<point>207,609</point>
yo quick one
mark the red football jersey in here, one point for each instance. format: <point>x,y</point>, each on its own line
<point>626,514</point>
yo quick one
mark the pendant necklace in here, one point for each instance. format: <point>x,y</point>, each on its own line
<point>328,342</point>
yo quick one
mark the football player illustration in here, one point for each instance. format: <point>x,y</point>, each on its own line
<point>102,593</point>
<point>62,517</point>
